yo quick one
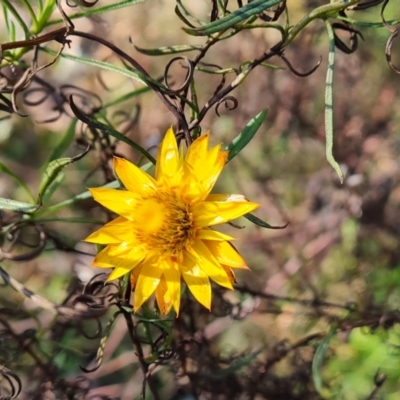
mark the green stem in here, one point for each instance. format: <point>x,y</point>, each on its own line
<point>319,12</point>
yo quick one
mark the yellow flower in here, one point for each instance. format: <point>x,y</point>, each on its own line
<point>163,230</point>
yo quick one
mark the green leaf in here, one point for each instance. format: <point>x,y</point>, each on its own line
<point>230,20</point>
<point>100,10</point>
<point>65,142</point>
<point>12,205</point>
<point>127,96</point>
<point>162,51</point>
<point>263,224</point>
<point>329,103</point>
<point>54,168</point>
<point>319,358</point>
<point>244,137</point>
<point>18,180</point>
<point>130,73</point>
<point>53,187</point>
<point>16,14</point>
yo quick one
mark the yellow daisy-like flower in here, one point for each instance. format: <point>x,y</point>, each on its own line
<point>163,230</point>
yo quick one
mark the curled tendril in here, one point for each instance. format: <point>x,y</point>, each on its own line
<point>365,5</point>
<point>223,76</point>
<point>126,120</point>
<point>82,3</point>
<point>392,37</point>
<point>13,380</point>
<point>353,37</point>
<point>388,51</point>
<point>276,13</point>
<point>188,78</point>
<point>229,102</point>
<point>214,11</point>
<point>88,101</point>
<point>297,73</point>
<point>83,306</point>
<point>98,332</point>
<point>30,73</point>
<point>13,235</point>
<point>100,351</point>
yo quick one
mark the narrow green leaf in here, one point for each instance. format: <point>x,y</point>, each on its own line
<point>230,20</point>
<point>53,187</point>
<point>54,168</point>
<point>65,142</point>
<point>12,205</point>
<point>263,224</point>
<point>329,103</point>
<point>162,51</point>
<point>18,180</point>
<point>244,137</point>
<point>127,96</point>
<point>319,358</point>
<point>130,73</point>
<point>100,10</point>
<point>17,16</point>
<point>184,15</point>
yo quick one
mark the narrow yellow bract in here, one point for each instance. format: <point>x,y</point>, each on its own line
<point>163,230</point>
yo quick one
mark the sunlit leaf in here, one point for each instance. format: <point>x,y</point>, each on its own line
<point>244,137</point>
<point>12,205</point>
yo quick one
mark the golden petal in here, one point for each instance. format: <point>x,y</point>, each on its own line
<point>133,178</point>
<point>226,254</point>
<point>116,231</point>
<point>149,279</point>
<point>210,213</point>
<point>164,305</point>
<point>121,202</point>
<point>168,159</point>
<point>198,149</point>
<point>203,257</point>
<point>135,275</point>
<point>172,276</point>
<point>118,273</point>
<point>202,173</point>
<point>119,256</point>
<point>197,282</point>
<point>209,234</point>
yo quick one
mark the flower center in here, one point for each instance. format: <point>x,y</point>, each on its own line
<point>164,224</point>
